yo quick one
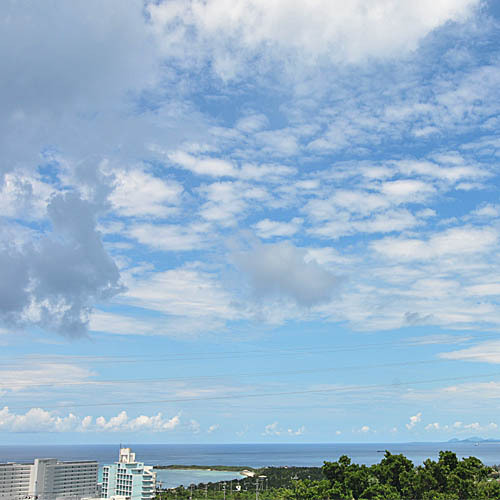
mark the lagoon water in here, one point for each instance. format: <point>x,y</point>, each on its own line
<point>250,455</point>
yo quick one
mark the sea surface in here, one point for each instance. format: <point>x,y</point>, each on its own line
<point>249,455</point>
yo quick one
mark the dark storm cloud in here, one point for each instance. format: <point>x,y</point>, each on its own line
<point>54,283</point>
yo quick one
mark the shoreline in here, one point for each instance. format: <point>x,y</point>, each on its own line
<point>208,468</point>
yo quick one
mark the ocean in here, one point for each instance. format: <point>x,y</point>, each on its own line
<point>251,455</point>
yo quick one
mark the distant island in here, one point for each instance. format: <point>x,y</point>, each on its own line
<point>474,439</point>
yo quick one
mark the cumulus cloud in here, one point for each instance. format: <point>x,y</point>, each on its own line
<point>274,429</point>
<point>435,426</point>
<point>296,432</point>
<point>230,32</point>
<point>414,420</point>
<point>282,269</point>
<point>461,427</point>
<point>54,282</point>
<point>123,423</point>
<point>39,420</point>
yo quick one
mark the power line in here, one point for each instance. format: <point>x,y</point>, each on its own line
<point>172,357</point>
<point>266,394</point>
<point>6,385</point>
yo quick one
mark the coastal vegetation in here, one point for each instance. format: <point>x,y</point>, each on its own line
<point>395,477</point>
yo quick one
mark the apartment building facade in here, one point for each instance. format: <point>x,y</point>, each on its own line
<point>48,479</point>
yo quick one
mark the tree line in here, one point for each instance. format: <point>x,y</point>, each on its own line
<point>394,478</point>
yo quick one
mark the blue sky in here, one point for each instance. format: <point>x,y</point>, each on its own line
<point>249,221</point>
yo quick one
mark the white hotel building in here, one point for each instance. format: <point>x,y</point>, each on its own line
<point>128,479</point>
<point>48,479</point>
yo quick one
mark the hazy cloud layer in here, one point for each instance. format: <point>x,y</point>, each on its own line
<point>281,269</point>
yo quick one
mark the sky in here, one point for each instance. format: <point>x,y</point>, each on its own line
<point>232,221</point>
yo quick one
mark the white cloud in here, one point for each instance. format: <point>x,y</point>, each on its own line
<point>171,325</point>
<point>448,168</point>
<point>35,372</point>
<point>213,428</point>
<point>22,194</point>
<point>39,420</point>
<point>123,423</point>
<point>278,142</point>
<point>483,290</point>
<point>468,394</point>
<point>227,202</point>
<point>186,291</point>
<point>194,426</point>
<point>274,429</point>
<point>229,32</point>
<point>213,167</point>
<point>385,222</point>
<point>407,189</point>
<point>442,338</point>
<point>454,241</point>
<point>435,427</point>
<point>296,432</point>
<point>266,172</point>
<point>414,420</point>
<point>137,193</point>
<point>485,352</point>
<point>252,123</point>
<point>487,210</point>
<point>270,228</point>
<point>170,237</point>
<point>364,429</point>
<point>461,427</point>
<point>352,201</point>
<point>326,256</point>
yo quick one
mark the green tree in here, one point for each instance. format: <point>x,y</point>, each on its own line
<point>380,492</point>
<point>391,468</point>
